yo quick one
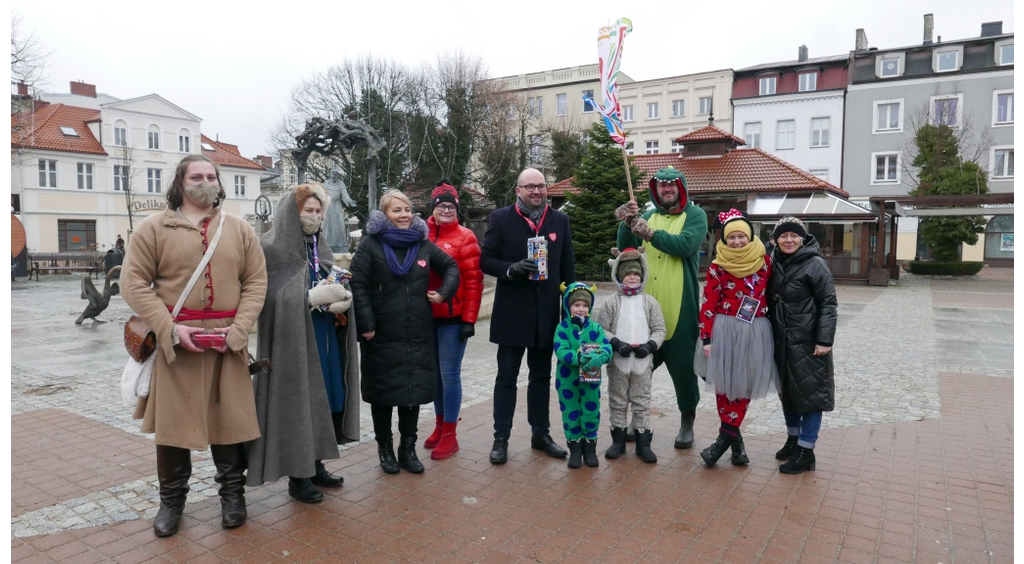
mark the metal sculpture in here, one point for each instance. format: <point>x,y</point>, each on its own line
<point>335,230</point>
<point>97,302</point>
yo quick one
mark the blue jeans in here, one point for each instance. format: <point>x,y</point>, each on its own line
<point>448,382</point>
<point>803,425</point>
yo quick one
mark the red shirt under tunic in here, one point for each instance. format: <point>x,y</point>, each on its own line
<point>723,293</point>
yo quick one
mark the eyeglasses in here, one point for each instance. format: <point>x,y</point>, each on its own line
<point>446,209</point>
<point>534,187</point>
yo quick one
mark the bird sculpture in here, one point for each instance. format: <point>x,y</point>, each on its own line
<point>97,302</point>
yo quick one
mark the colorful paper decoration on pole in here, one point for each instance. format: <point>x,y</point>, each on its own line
<point>609,54</point>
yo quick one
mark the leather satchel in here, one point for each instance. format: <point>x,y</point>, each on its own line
<point>139,339</point>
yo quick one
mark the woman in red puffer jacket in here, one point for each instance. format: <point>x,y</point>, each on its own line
<point>454,319</point>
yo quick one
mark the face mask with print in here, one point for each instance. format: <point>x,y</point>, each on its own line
<point>310,223</point>
<point>203,194</point>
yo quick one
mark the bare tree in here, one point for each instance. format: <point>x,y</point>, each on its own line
<point>124,177</point>
<point>28,55</point>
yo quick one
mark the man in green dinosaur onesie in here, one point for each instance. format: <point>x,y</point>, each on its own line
<point>672,232</point>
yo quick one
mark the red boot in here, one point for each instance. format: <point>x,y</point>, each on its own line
<point>449,445</point>
<point>434,437</point>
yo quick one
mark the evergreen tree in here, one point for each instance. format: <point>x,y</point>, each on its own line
<point>944,172</point>
<point>601,179</point>
<point>567,150</point>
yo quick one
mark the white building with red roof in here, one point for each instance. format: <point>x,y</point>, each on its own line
<point>74,155</point>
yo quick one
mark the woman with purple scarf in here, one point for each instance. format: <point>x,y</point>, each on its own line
<point>390,273</point>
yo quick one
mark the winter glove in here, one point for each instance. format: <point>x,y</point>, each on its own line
<point>642,230</point>
<point>591,363</point>
<point>523,268</point>
<point>466,331</point>
<point>324,293</point>
<point>341,306</point>
<point>622,213</point>
<point>644,350</point>
<point>624,349</point>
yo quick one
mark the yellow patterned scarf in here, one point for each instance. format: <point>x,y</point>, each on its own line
<point>740,262</point>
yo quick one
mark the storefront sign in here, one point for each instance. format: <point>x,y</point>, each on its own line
<point>149,204</point>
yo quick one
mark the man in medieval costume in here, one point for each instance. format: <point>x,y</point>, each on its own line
<point>307,403</point>
<point>672,234</point>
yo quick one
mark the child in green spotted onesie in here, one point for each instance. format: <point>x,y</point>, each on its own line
<point>580,345</point>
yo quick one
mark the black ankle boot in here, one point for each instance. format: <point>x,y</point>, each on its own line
<point>325,479</point>
<point>386,453</point>
<point>407,455</point>
<point>786,452</point>
<point>575,453</point>
<point>618,447</point>
<point>715,451</point>
<point>739,452</point>
<point>802,460</point>
<point>230,462</point>
<point>643,446</point>
<point>685,437</point>
<point>302,490</point>
<point>590,453</point>
<point>173,469</point>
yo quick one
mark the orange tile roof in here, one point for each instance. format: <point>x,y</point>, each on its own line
<point>41,129</point>
<point>709,133</point>
<point>558,189</point>
<point>225,154</point>
<point>740,170</point>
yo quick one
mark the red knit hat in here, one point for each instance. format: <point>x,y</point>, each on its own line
<point>444,192</point>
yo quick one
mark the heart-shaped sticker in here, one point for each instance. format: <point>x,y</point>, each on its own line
<point>422,263</point>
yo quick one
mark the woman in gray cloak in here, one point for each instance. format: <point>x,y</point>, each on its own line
<point>308,403</point>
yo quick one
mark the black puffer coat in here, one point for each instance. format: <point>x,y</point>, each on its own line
<point>802,309</point>
<point>397,364</point>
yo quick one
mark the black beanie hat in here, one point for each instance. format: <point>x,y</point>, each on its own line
<point>444,192</point>
<point>786,226</point>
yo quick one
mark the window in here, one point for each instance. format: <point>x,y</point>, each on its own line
<point>536,106</point>
<point>629,148</point>
<point>752,134</point>
<point>184,141</point>
<point>820,131</point>
<point>207,147</point>
<point>1006,54</point>
<point>120,134</point>
<point>890,67</point>
<point>154,138</point>
<point>627,113</point>
<point>120,178</point>
<point>1002,163</point>
<point>76,235</point>
<point>677,147</point>
<point>153,180</point>
<point>678,108</point>
<point>1002,108</point>
<point>652,147</point>
<point>785,134</point>
<point>239,186</point>
<point>68,131</point>
<point>808,81</point>
<point>885,168</point>
<point>766,85</point>
<point>84,176</point>
<point>946,61</point>
<point>47,173</point>
<point>561,104</point>
<point>588,97</point>
<point>945,111</point>
<point>888,116</point>
<point>821,173</point>
<point>652,110</point>
<point>705,105</point>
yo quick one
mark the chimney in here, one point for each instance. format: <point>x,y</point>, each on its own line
<point>862,40</point>
<point>37,104</point>
<point>929,25</point>
<point>22,89</point>
<point>82,89</point>
<point>991,28</point>
<point>801,54</point>
<point>265,160</point>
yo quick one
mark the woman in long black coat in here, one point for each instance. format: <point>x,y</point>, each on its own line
<point>802,309</point>
<point>390,272</point>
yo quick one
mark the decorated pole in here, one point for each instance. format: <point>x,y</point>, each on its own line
<point>609,57</point>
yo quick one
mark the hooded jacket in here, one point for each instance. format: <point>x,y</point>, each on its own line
<point>802,308</point>
<point>632,319</point>
<point>459,243</point>
<point>398,363</point>
<point>569,336</point>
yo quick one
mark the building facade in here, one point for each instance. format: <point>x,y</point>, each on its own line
<point>74,161</point>
<point>794,111</point>
<point>966,84</point>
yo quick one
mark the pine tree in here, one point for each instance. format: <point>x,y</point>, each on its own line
<point>601,179</point>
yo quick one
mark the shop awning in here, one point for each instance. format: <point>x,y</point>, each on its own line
<point>820,206</point>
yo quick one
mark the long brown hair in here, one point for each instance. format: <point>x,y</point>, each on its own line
<point>176,193</point>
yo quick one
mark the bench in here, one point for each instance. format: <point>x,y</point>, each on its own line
<point>65,262</point>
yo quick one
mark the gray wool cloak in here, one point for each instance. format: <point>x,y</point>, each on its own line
<point>291,401</point>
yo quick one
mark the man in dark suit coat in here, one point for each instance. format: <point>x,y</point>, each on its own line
<point>526,311</point>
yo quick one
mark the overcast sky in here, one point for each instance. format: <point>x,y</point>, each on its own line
<point>234,64</point>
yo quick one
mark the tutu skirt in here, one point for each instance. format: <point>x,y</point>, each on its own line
<point>742,361</point>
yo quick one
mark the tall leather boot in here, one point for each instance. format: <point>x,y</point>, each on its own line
<point>715,451</point>
<point>231,462</point>
<point>643,446</point>
<point>173,469</point>
<point>435,437</point>
<point>739,452</point>
<point>618,447</point>
<point>575,452</point>
<point>802,460</point>
<point>449,443</point>
<point>685,437</point>
<point>386,453</point>
<point>407,455</point>
<point>590,453</point>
